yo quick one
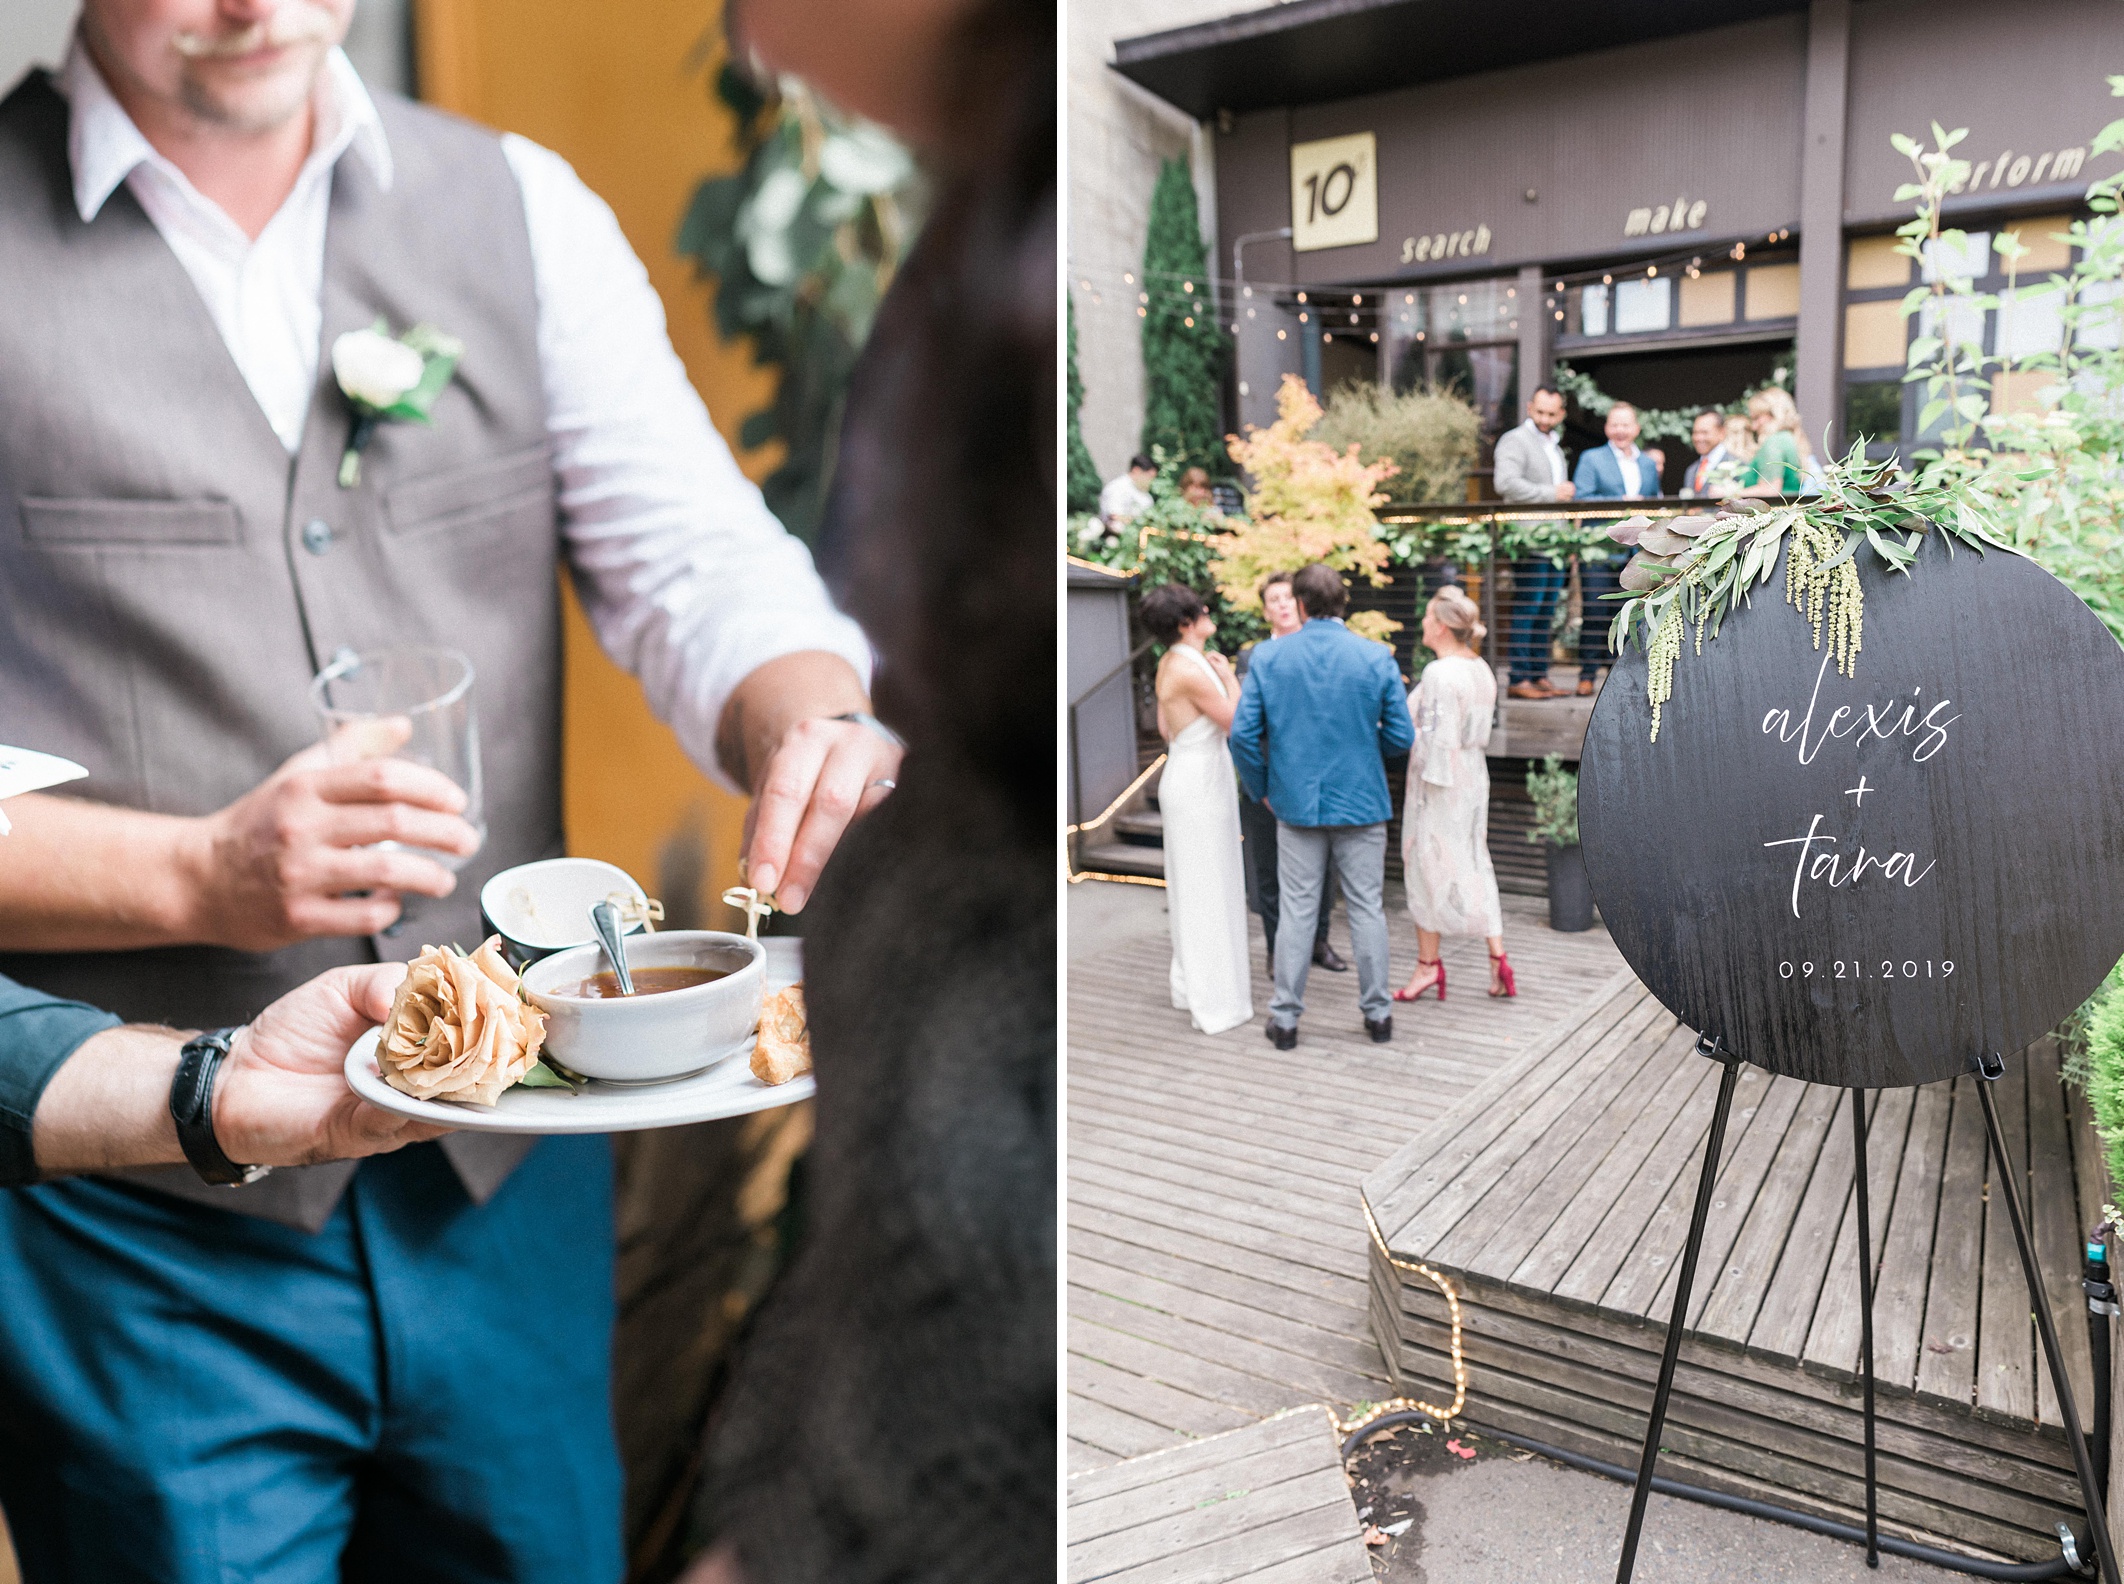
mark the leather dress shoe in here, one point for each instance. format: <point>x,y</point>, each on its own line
<point>1381,1029</point>
<point>1324,957</point>
<point>1283,1038</point>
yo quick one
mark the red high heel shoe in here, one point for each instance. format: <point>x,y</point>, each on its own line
<point>1437,984</point>
<point>1506,986</point>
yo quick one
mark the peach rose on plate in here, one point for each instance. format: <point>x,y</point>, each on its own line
<point>460,1028</point>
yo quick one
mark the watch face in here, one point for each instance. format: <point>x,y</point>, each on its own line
<point>1870,879</point>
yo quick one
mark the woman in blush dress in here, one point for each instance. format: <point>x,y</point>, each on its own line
<point>1205,882</point>
<point>1445,825</point>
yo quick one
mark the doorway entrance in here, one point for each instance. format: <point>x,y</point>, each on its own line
<point>1672,378</point>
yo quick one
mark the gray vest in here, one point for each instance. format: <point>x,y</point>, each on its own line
<point>164,596</point>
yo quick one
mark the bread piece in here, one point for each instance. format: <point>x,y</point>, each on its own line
<point>784,1050</point>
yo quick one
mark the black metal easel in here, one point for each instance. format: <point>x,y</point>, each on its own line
<point>1989,1069</point>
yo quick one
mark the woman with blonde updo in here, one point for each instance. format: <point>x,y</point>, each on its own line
<point>1445,825</point>
<point>1777,468</point>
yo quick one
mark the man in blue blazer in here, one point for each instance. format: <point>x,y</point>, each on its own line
<point>1615,471</point>
<point>1318,715</point>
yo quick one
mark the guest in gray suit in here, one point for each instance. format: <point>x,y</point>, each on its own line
<point>1531,470</point>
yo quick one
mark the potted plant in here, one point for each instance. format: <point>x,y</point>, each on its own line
<point>1555,793</point>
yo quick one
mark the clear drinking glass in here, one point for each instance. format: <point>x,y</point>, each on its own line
<point>410,702</point>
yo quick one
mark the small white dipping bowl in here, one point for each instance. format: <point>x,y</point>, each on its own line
<point>544,907</point>
<point>652,1038</point>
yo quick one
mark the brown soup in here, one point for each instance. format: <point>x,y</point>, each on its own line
<point>647,981</point>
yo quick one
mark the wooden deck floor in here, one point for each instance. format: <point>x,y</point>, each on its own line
<point>1556,1199</point>
<point>1217,1256</point>
<point>1268,1504</point>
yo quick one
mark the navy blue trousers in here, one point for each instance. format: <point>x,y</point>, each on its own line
<point>1536,584</point>
<point>420,1391</point>
<point>1596,579</point>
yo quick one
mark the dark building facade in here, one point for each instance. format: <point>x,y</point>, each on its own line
<point>1675,198</point>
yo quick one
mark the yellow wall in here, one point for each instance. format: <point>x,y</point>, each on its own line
<point>625,93</point>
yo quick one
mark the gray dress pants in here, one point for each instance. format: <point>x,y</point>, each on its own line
<point>1305,855</point>
<point>1263,894</point>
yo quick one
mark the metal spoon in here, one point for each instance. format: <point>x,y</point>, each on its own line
<point>604,918</point>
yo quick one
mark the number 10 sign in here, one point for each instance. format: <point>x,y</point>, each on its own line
<point>1334,192</point>
<point>1871,880</point>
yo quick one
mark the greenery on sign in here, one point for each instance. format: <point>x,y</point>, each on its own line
<point>1655,424</point>
<point>1184,351</point>
<point>1309,502</point>
<point>803,242</point>
<point>2031,438</point>
<point>1083,475</point>
<point>1672,593</point>
<point>1432,436</point>
<point>1555,793</point>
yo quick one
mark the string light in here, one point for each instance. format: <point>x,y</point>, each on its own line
<point>1460,1364</point>
<point>1280,334</point>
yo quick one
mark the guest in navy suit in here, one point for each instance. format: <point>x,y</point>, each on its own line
<point>1615,471</point>
<point>1319,714</point>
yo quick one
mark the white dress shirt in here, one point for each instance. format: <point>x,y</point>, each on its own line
<point>1121,500</point>
<point>1552,447</point>
<point>688,579</point>
<point>1626,465</point>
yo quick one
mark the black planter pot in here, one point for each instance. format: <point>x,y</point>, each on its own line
<point>1570,892</point>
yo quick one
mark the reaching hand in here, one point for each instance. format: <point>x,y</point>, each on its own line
<point>822,775</point>
<point>1566,492</point>
<point>277,865</point>
<point>282,1097</point>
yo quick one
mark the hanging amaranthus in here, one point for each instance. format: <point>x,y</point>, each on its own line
<point>1821,578</point>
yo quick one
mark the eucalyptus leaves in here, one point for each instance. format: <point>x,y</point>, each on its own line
<point>1690,573</point>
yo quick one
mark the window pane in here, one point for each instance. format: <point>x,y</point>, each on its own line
<point>1873,335</point>
<point>2041,237</point>
<point>1642,306</point>
<point>1488,376</point>
<point>1593,311</point>
<point>1964,321</point>
<point>2102,315</point>
<point>1773,291</point>
<point>1708,299</point>
<point>2031,321</point>
<point>1874,262</point>
<point>1874,409</point>
<point>1972,258</point>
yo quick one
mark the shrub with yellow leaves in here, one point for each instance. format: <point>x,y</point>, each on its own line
<point>1309,503</point>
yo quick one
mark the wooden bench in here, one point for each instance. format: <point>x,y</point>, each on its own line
<point>1556,1196</point>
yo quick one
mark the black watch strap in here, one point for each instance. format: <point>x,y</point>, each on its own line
<point>192,1108</point>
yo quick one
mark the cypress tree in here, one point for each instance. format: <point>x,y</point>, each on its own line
<point>1183,347</point>
<point>1083,472</point>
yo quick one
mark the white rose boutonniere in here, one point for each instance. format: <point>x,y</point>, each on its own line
<point>385,376</point>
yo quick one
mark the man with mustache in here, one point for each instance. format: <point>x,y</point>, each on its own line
<point>397,1371</point>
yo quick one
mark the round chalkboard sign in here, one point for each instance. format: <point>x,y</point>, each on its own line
<point>1871,880</point>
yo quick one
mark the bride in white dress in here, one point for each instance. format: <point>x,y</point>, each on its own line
<point>1205,895</point>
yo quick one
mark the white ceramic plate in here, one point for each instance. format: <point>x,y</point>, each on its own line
<point>725,1090</point>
